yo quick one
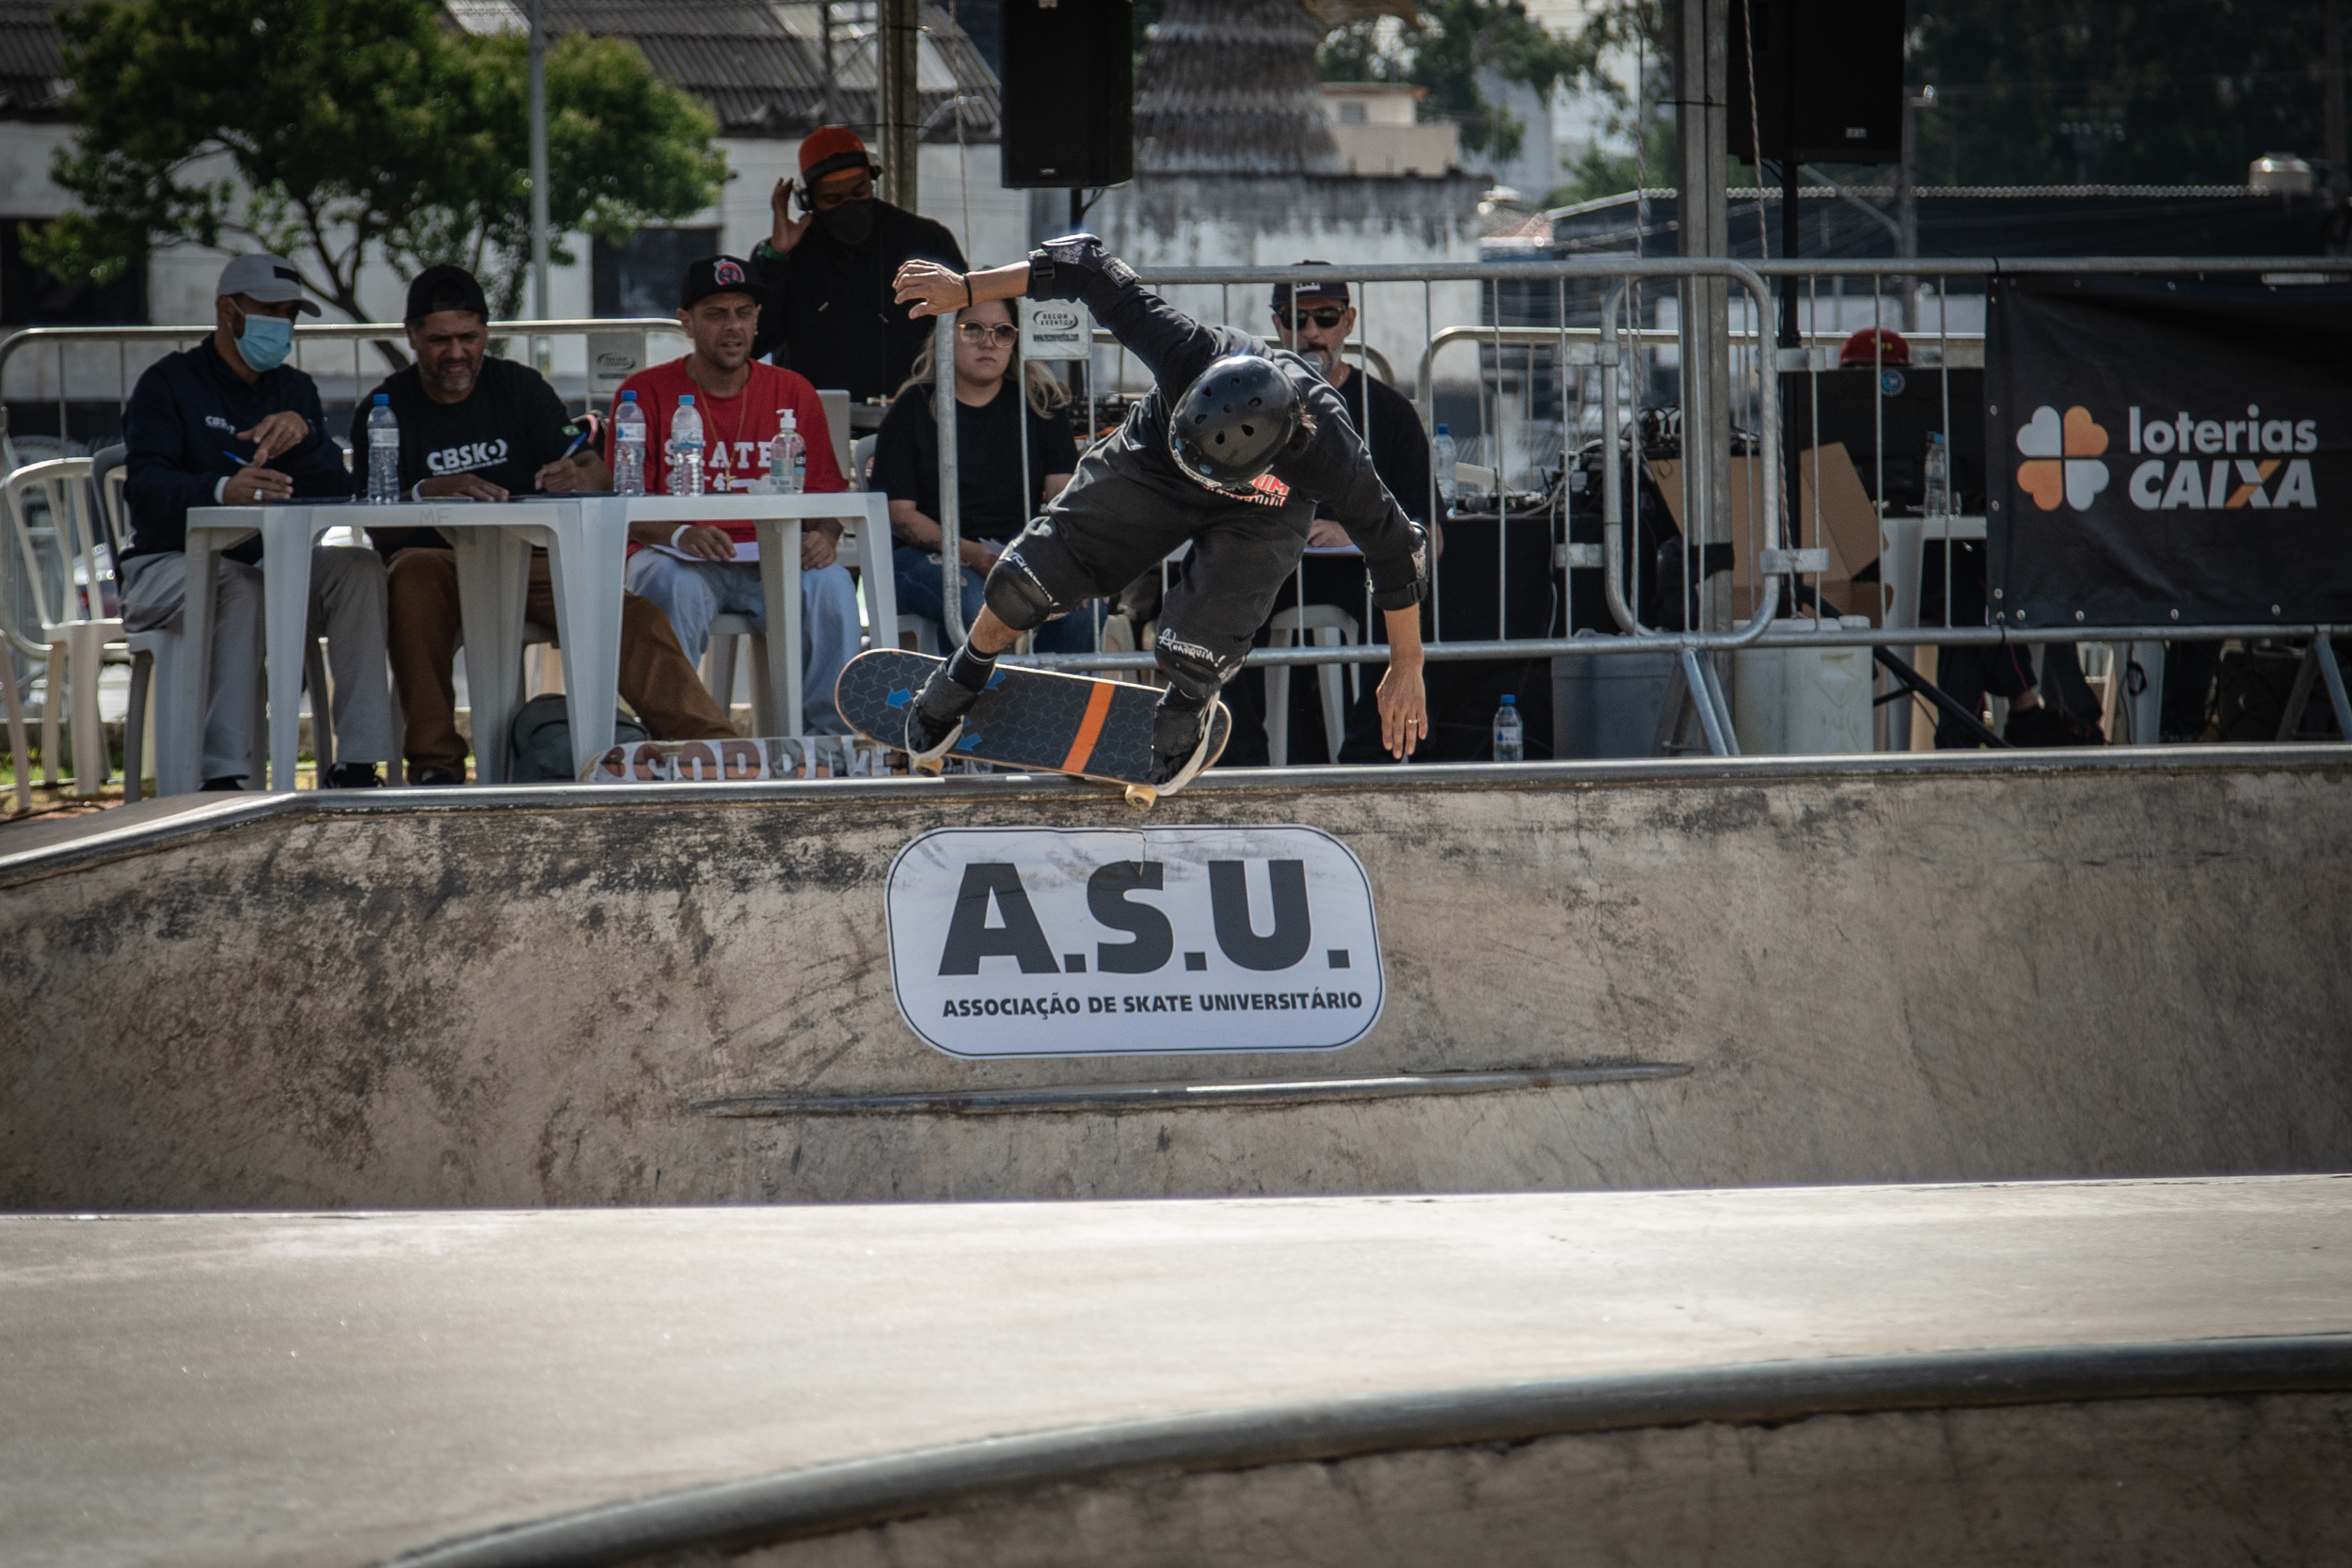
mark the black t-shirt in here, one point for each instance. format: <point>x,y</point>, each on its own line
<point>1385,419</point>
<point>988,460</point>
<point>833,312</point>
<point>506,431</point>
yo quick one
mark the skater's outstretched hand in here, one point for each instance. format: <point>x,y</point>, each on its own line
<point>929,289</point>
<point>1404,702</point>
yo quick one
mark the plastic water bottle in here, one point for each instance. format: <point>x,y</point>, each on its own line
<point>629,447</point>
<point>1939,476</point>
<point>1441,458</point>
<point>383,453</point>
<point>686,449</point>
<point>787,456</point>
<point>1510,734</point>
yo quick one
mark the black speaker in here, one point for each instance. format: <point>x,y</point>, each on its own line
<point>1067,93</point>
<point>1829,80</point>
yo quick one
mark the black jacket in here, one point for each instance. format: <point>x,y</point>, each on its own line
<point>830,313</point>
<point>1392,431</point>
<point>181,425</point>
<point>1332,473</point>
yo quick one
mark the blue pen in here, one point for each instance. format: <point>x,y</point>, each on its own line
<point>240,461</point>
<point>577,441</point>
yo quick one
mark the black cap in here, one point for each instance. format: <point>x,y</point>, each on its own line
<point>445,288</point>
<point>1311,290</point>
<point>719,275</point>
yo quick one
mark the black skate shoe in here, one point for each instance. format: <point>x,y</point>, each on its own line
<point>1179,748</point>
<point>935,718</point>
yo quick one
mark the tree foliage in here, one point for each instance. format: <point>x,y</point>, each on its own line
<point>329,130</point>
<point>1446,49</point>
<point>2160,92</point>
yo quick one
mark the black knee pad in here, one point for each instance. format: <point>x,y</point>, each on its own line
<point>1191,669</point>
<point>1014,594</point>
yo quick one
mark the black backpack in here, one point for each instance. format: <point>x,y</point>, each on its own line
<point>542,738</point>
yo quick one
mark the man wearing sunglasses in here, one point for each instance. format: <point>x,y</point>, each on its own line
<point>1231,453</point>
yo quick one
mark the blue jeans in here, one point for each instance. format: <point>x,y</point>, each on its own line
<point>693,593</point>
<point>919,594</point>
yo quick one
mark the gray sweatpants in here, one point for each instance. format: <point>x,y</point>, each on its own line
<point>1109,527</point>
<point>346,609</point>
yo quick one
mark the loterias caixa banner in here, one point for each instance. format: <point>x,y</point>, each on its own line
<point>2166,452</point>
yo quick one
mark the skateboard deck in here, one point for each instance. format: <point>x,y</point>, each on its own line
<point>1033,719</point>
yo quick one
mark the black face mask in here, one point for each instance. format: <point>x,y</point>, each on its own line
<point>848,223</point>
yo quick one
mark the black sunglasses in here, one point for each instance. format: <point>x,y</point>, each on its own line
<point>1326,317</point>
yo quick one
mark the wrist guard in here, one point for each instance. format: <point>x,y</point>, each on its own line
<point>1401,581</point>
<point>1070,268</point>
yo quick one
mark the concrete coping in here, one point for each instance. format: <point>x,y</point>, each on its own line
<point>125,832</point>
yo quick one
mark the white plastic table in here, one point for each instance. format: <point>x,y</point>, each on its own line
<point>586,544</point>
<point>776,520</point>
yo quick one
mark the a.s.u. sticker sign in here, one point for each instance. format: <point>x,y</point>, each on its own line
<point>1107,942</point>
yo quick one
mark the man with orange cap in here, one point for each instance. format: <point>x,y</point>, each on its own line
<point>829,271</point>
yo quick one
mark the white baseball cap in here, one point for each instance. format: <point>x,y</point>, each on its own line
<point>271,279</point>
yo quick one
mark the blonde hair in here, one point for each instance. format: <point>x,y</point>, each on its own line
<point>1046,395</point>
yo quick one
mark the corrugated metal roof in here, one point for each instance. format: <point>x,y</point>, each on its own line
<point>1231,86</point>
<point>32,58</point>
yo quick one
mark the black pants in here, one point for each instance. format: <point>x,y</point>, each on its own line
<point>1109,527</point>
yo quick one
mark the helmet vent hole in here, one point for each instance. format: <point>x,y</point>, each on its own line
<point>1249,430</point>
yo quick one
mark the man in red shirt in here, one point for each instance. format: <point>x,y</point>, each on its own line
<point>696,571</point>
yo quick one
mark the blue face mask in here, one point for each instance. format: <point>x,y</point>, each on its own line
<point>265,341</point>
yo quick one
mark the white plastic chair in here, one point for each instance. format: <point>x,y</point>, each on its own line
<point>74,625</point>
<point>1332,628</point>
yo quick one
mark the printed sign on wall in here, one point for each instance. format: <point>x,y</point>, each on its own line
<point>1103,941</point>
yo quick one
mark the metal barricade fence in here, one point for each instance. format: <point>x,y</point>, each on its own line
<point>1624,358</point>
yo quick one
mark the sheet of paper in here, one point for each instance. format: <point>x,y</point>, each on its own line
<point>746,553</point>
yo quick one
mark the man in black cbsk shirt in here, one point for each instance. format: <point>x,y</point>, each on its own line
<point>485,429</point>
<point>830,273</point>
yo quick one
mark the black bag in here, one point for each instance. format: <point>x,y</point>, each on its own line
<point>542,738</point>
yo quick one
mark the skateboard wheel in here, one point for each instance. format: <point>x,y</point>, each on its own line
<point>1142,797</point>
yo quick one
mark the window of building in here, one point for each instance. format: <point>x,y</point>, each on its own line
<point>641,277</point>
<point>1351,113</point>
<point>34,296</point>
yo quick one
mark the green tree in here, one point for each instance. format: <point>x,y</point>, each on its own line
<point>1445,49</point>
<point>2165,92</point>
<point>328,130</point>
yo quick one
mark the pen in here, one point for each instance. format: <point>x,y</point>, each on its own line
<point>240,461</point>
<point>577,442</point>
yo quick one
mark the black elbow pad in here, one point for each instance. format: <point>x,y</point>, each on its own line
<point>1074,266</point>
<point>1401,581</point>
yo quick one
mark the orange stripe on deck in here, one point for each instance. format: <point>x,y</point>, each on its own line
<point>1089,729</point>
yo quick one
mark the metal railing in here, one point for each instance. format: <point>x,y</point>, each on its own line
<point>1613,364</point>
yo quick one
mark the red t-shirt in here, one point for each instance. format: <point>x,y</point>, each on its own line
<point>735,430</point>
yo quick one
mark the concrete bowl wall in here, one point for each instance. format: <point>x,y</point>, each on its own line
<point>1682,975</point>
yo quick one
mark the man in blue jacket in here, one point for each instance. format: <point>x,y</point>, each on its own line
<point>230,424</point>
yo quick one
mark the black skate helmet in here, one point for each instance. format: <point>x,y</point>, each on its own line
<point>1232,422</point>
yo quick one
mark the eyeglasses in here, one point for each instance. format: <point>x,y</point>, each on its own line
<point>1327,318</point>
<point>979,333</point>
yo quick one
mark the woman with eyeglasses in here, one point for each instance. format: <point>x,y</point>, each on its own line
<point>992,422</point>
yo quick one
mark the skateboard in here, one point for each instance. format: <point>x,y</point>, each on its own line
<point>1034,719</point>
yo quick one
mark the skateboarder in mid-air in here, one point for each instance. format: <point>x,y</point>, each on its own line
<point>1232,449</point>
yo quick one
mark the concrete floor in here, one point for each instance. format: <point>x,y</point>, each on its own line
<point>315,1389</point>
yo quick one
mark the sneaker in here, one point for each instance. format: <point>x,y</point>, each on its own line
<point>351,775</point>
<point>435,778</point>
<point>223,783</point>
<point>935,718</point>
<point>1179,748</point>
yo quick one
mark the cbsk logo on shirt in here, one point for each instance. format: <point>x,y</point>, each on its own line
<point>466,458</point>
<point>2064,461</point>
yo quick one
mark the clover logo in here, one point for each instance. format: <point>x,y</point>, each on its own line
<point>2060,458</point>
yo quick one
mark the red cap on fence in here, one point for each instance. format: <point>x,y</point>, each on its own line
<point>1891,349</point>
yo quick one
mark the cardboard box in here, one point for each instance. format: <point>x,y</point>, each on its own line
<point>1847,523</point>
